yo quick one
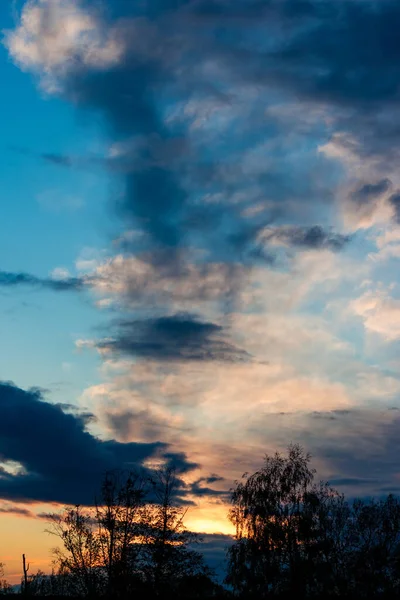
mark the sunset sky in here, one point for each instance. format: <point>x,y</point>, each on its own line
<point>199,249</point>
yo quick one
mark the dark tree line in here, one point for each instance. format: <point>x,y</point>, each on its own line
<point>133,543</point>
<point>299,539</point>
<point>295,538</point>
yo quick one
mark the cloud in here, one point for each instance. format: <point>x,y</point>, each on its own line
<point>358,450</point>
<point>369,192</point>
<point>380,313</point>
<point>57,35</point>
<point>239,159</point>
<point>137,280</point>
<point>387,243</point>
<point>179,462</point>
<point>142,281</point>
<point>200,404</point>
<point>60,273</point>
<point>373,203</point>
<point>119,64</point>
<point>350,482</point>
<point>56,284</point>
<point>395,202</point>
<point>179,337</point>
<point>17,511</point>
<point>355,449</point>
<point>349,67</point>
<point>68,464</point>
<point>306,237</point>
<point>201,487</point>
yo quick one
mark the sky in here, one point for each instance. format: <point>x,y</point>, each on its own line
<point>199,248</point>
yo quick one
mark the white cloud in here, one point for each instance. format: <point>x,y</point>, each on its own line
<point>137,282</point>
<point>209,402</point>
<point>89,259</point>
<point>360,170</point>
<point>307,342</point>
<point>388,244</point>
<point>133,281</point>
<point>60,273</point>
<point>380,313</point>
<point>55,35</point>
<point>368,214</point>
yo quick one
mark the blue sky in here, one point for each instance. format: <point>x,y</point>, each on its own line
<point>199,242</point>
<point>50,217</point>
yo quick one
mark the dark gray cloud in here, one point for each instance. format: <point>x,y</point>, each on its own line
<point>123,424</point>
<point>332,415</point>
<point>395,202</point>
<point>183,185</point>
<point>314,238</point>
<point>44,516</point>
<point>344,54</point>
<point>85,416</point>
<point>351,482</point>
<point>10,280</point>
<point>371,191</point>
<point>359,448</point>
<point>179,462</point>
<point>355,450</point>
<point>347,53</point>
<point>17,511</point>
<point>201,487</point>
<point>154,197</point>
<point>60,460</point>
<point>177,337</point>
<point>162,196</point>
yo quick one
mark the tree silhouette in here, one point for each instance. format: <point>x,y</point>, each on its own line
<point>5,587</point>
<point>133,540</point>
<point>294,539</point>
<point>118,517</point>
<point>273,526</point>
<point>374,548</point>
<point>298,539</point>
<point>80,555</point>
<point>168,555</point>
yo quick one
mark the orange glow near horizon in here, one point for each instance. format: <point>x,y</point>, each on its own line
<point>29,539</point>
<point>32,540</point>
<point>210,517</point>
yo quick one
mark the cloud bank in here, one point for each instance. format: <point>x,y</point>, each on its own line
<point>49,456</point>
<point>254,147</point>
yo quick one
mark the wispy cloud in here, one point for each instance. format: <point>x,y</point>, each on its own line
<point>57,284</point>
<point>17,511</point>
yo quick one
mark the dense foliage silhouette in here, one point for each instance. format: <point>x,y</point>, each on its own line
<point>295,538</point>
<point>299,539</point>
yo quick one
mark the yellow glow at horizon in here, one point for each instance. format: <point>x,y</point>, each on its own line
<point>210,518</point>
<point>21,535</point>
